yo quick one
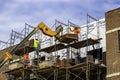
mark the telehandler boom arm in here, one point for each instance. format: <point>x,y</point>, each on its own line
<point>42,26</point>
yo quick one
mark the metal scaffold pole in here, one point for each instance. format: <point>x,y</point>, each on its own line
<point>87,71</point>
<point>89,18</point>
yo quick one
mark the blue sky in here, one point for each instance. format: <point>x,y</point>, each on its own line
<point>15,13</point>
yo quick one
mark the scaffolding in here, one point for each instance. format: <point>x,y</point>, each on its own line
<point>3,44</point>
<point>15,35</point>
<point>86,70</point>
<point>75,72</point>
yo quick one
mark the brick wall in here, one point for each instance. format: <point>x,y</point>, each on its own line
<point>113,53</point>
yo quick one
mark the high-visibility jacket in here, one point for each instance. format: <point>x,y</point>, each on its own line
<point>36,43</point>
<point>76,31</point>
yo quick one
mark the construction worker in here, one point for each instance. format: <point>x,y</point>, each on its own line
<point>58,61</point>
<point>36,46</point>
<point>26,65</point>
<point>25,59</point>
<point>76,31</point>
<point>78,58</point>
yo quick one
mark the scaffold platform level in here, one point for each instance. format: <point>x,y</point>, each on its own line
<point>77,45</point>
<point>28,46</point>
<point>53,48</point>
<point>77,71</point>
<point>22,50</point>
<point>67,38</point>
<point>84,43</point>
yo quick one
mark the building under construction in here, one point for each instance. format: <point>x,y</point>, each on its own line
<point>94,64</point>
